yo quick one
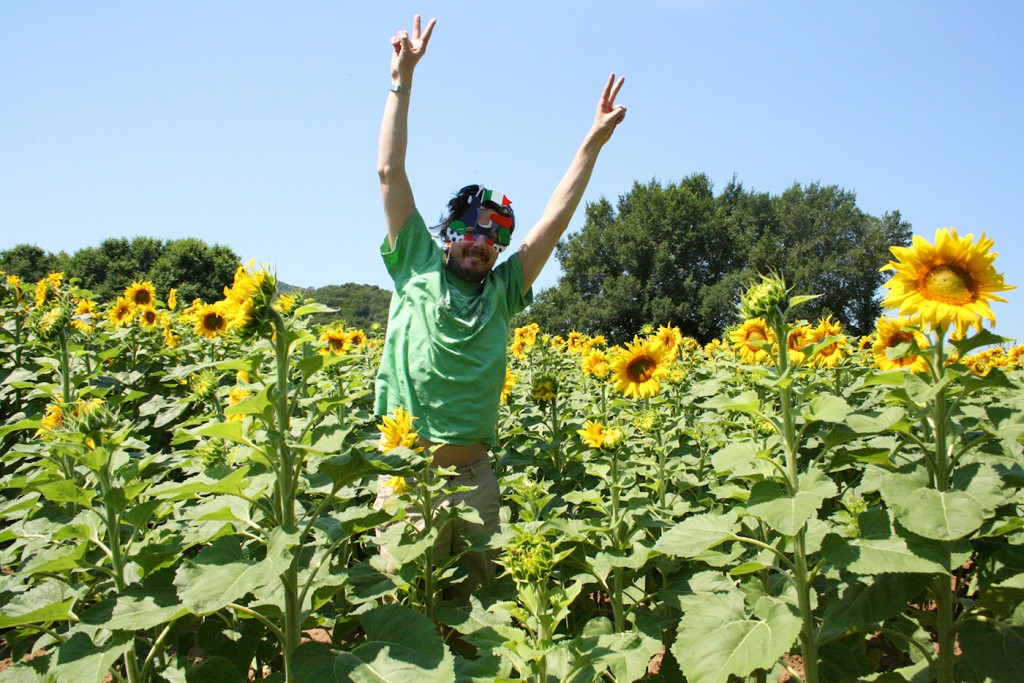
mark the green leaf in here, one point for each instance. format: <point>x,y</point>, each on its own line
<point>787,514</point>
<point>747,402</point>
<point>223,573</point>
<point>401,646</point>
<point>939,515</point>
<point>233,483</point>
<point>216,669</point>
<point>718,639</point>
<point>49,601</point>
<point>875,423</point>
<point>827,408</point>
<point>982,338</point>
<point>80,660</point>
<point>66,492</point>
<point>872,556</point>
<point>138,607</point>
<point>992,652</point>
<point>696,534</point>
<point>229,431</point>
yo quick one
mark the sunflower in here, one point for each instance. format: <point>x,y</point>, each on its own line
<point>121,313</point>
<point>397,431</point>
<point>506,388</point>
<point>558,343</point>
<point>356,338</point>
<point>948,284</point>
<point>592,434</point>
<point>520,348</point>
<point>596,364</point>
<point>398,485</point>
<point>545,389</point>
<point>248,300</point>
<point>834,352</point>
<point>148,317</point>
<point>671,338</point>
<point>236,396</point>
<point>172,299</point>
<point>596,435</point>
<point>337,341</point>
<point>42,292</point>
<point>640,367</point>
<point>210,321</point>
<point>893,332</point>
<point>284,303</point>
<point>576,342</point>
<point>747,340</point>
<point>140,294</point>
<point>797,340</point>
<point>53,419</point>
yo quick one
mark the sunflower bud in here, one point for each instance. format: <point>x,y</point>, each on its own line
<point>765,299</point>
<point>49,323</point>
<point>529,558</point>
<point>545,389</point>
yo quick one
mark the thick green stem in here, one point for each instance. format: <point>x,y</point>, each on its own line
<point>285,493</point>
<point>801,574</point>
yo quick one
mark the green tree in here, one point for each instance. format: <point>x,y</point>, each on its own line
<point>31,263</point>
<point>680,255</point>
<point>117,262</point>
<point>194,268</point>
<point>356,305</point>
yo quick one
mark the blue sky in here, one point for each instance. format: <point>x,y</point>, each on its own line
<point>254,124</point>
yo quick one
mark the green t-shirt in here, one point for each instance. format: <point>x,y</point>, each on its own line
<point>444,355</point>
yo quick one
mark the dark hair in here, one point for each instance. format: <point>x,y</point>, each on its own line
<point>458,204</point>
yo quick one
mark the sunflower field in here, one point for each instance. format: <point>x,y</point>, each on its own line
<point>188,495</point>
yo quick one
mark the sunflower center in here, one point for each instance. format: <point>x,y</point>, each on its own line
<point>641,369</point>
<point>336,345</point>
<point>755,336</point>
<point>213,321</point>
<point>949,284</point>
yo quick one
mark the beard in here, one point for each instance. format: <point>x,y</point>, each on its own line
<point>470,265</point>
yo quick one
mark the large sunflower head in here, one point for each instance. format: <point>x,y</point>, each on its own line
<point>640,367</point>
<point>749,339</point>
<point>891,333</point>
<point>337,340</point>
<point>148,316</point>
<point>140,294</point>
<point>949,284</point>
<point>798,339</point>
<point>397,431</point>
<point>830,355</point>
<point>210,321</point>
<point>596,364</point>
<point>121,313</point>
<point>249,299</point>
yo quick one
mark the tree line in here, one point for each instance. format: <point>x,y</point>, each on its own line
<point>665,254</point>
<point>680,254</point>
<point>193,267</point>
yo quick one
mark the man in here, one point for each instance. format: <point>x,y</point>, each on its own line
<point>444,356</point>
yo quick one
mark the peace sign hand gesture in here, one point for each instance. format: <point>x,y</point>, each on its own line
<point>408,50</point>
<point>608,115</point>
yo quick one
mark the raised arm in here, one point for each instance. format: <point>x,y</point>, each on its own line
<point>395,189</point>
<point>541,240</point>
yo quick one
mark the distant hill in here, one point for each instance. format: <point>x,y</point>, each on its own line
<point>357,306</point>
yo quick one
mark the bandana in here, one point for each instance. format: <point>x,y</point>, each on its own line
<point>481,222</point>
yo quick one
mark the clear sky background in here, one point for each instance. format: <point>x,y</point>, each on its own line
<point>254,124</point>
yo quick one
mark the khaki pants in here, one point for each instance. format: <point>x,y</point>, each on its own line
<point>485,497</point>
